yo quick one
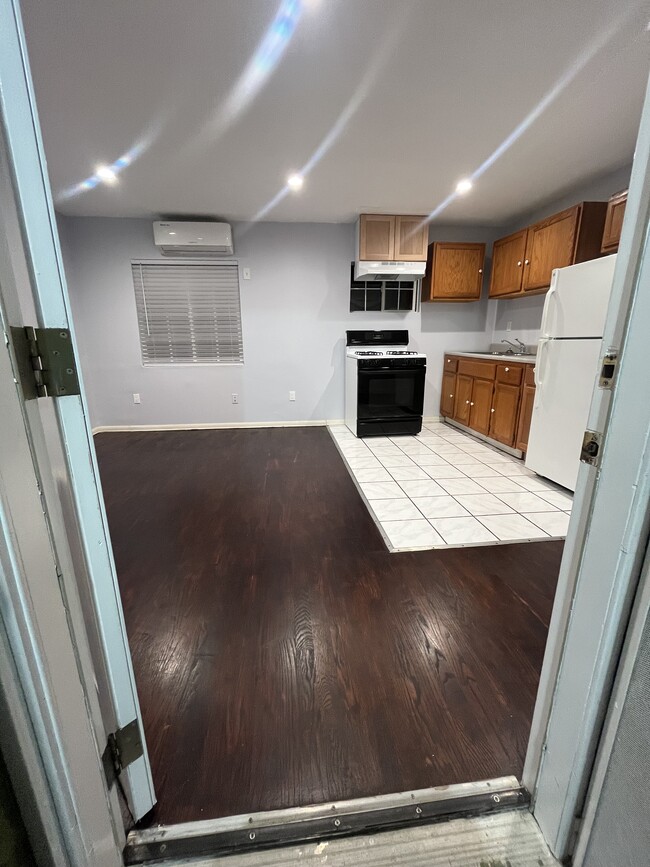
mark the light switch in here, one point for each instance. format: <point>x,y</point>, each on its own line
<point>246,273</point>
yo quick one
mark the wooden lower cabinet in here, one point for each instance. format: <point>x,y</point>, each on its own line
<point>448,394</point>
<point>525,411</point>
<point>463,398</point>
<point>493,399</point>
<point>480,405</point>
<point>505,413</point>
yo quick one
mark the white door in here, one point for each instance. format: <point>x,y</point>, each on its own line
<point>33,293</point>
<point>576,303</point>
<point>565,376</point>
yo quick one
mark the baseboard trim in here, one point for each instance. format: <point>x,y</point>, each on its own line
<point>231,425</point>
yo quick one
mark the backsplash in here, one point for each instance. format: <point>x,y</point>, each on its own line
<point>524,316</point>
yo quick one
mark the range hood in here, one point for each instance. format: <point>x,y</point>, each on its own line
<point>364,270</point>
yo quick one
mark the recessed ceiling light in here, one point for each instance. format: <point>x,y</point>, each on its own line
<point>463,186</point>
<point>106,174</point>
<point>295,182</point>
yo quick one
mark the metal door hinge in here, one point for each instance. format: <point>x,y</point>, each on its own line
<point>123,747</point>
<point>46,363</point>
<point>591,443</point>
<point>608,370</point>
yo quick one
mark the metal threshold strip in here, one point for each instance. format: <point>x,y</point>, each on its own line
<point>234,834</point>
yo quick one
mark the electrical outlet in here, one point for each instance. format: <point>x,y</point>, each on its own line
<point>136,397</point>
<point>235,397</point>
<point>509,326</point>
<point>246,273</point>
<point>292,395</point>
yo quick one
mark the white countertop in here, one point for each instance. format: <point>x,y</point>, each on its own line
<point>521,359</point>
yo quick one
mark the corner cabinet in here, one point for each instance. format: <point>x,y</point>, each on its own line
<point>493,399</point>
<point>614,223</point>
<point>392,238</point>
<point>522,263</point>
<point>454,272</point>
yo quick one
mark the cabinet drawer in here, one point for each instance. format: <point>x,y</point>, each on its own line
<point>480,369</point>
<point>451,364</point>
<point>509,373</point>
<point>529,376</point>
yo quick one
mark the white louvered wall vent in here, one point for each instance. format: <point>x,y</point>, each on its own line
<point>188,313</point>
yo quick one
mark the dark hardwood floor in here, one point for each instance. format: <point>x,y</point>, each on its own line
<point>283,656</point>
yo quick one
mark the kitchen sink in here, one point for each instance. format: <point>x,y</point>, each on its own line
<point>508,353</point>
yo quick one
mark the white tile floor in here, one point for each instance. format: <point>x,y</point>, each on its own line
<point>445,488</point>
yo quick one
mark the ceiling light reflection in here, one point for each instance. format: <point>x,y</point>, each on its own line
<point>107,174</point>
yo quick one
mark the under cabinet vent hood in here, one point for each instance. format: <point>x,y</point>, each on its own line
<point>389,270</point>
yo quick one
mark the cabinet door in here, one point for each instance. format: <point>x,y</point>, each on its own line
<point>480,405</point>
<point>447,394</point>
<point>551,244</point>
<point>411,239</point>
<point>456,272</point>
<point>505,413</point>
<point>376,237</point>
<point>614,222</point>
<point>525,416</point>
<point>508,256</point>
<point>463,398</point>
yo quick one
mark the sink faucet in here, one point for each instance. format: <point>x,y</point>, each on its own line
<point>518,346</point>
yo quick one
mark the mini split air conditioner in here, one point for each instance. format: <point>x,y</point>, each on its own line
<point>197,239</point>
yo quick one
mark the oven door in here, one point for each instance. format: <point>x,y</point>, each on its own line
<point>390,400</point>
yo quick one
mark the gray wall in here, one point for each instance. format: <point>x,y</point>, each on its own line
<point>294,312</point>
<point>525,314</point>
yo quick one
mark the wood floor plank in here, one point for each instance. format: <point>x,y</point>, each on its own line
<point>283,657</point>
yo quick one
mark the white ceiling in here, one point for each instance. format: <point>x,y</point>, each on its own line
<point>413,93</point>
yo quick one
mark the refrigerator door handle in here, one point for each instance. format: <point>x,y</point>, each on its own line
<point>547,303</point>
<point>537,371</point>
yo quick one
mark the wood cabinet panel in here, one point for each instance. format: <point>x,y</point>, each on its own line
<point>551,244</point>
<point>505,412</point>
<point>525,416</point>
<point>510,373</point>
<point>614,222</point>
<point>376,237</point>
<point>411,239</point>
<point>463,398</point>
<point>508,256</point>
<point>480,405</point>
<point>482,369</point>
<point>447,394</point>
<point>454,272</point>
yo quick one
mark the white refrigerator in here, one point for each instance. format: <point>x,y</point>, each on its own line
<point>567,366</point>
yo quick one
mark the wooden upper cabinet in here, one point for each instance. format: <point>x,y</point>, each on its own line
<point>392,238</point>
<point>508,257</point>
<point>411,239</point>
<point>551,244</point>
<point>614,223</point>
<point>563,239</point>
<point>376,237</point>
<point>454,272</point>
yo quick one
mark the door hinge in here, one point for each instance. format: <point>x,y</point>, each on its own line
<point>608,370</point>
<point>123,747</point>
<point>590,452</point>
<point>46,363</point>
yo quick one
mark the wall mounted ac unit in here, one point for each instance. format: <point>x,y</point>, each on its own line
<point>198,239</point>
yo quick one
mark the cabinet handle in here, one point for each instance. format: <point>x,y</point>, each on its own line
<point>507,369</point>
<point>492,410</point>
<point>451,395</point>
<point>519,264</point>
<point>480,270</point>
<point>466,401</point>
<point>527,262</point>
<point>472,403</point>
